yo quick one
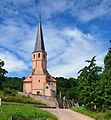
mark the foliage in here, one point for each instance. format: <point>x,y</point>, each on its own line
<point>107,60</point>
<point>87,81</point>
<point>2,73</point>
<point>19,99</point>
<point>9,91</point>
<point>25,112</point>
<point>94,88</point>
<point>14,83</point>
<point>103,91</point>
<point>19,116</point>
<point>66,87</point>
<point>104,86</point>
<point>97,115</point>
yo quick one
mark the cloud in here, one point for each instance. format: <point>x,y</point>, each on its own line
<point>84,11</point>
<point>12,63</point>
<point>100,58</point>
<point>89,10</point>
<point>17,38</point>
<point>67,45</point>
<point>78,48</point>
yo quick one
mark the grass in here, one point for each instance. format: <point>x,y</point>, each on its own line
<point>25,112</point>
<point>19,99</point>
<point>96,115</point>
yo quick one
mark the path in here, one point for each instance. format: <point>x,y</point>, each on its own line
<point>67,114</point>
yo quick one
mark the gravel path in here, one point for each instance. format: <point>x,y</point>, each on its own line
<point>67,114</point>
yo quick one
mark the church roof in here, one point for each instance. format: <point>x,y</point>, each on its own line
<point>39,45</point>
<point>27,80</point>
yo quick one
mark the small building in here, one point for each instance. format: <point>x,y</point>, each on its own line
<point>39,82</point>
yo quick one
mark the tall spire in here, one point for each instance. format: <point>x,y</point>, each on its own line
<point>39,45</point>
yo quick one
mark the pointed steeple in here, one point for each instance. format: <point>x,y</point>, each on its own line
<point>39,45</point>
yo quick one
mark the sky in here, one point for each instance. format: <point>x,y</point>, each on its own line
<point>74,31</point>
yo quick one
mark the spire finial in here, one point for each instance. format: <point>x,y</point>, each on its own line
<point>40,17</point>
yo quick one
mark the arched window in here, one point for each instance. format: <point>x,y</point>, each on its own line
<point>38,80</point>
<point>44,55</point>
<point>38,55</point>
<point>34,56</point>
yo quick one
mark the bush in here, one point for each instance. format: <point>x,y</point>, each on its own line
<point>97,115</point>
<point>10,91</point>
<point>19,99</point>
<point>18,116</point>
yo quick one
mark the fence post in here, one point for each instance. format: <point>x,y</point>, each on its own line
<point>0,102</point>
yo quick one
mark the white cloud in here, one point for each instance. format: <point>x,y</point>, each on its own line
<point>12,63</point>
<point>18,37</point>
<point>85,10</point>
<point>92,10</point>
<point>100,58</point>
<point>67,48</point>
<point>80,47</point>
<point>49,7</point>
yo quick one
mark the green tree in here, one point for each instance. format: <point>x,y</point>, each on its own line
<point>13,83</point>
<point>2,73</point>
<point>103,90</point>
<point>104,86</point>
<point>107,60</point>
<point>87,81</point>
<point>67,87</point>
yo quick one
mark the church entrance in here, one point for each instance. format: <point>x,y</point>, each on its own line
<point>38,92</point>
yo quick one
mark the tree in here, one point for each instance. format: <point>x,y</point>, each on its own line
<point>67,87</point>
<point>107,60</point>
<point>2,73</point>
<point>87,81</point>
<point>103,90</point>
<point>13,83</point>
<point>104,87</point>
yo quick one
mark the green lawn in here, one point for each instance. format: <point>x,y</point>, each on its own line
<point>25,112</point>
<point>96,115</point>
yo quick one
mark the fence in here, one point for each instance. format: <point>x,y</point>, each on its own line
<point>65,103</point>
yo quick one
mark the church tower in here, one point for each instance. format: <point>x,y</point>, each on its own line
<point>40,82</point>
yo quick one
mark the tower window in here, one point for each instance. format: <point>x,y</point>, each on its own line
<point>38,80</point>
<point>38,55</point>
<point>44,55</point>
<point>34,56</point>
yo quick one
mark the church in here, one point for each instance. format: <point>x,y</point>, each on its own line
<point>40,82</point>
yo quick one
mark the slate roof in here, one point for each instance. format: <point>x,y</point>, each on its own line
<point>39,45</point>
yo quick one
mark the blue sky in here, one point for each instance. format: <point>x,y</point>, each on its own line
<point>74,30</point>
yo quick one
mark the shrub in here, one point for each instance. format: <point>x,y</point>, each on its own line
<point>10,91</point>
<point>97,115</point>
<point>19,99</point>
<point>18,116</point>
